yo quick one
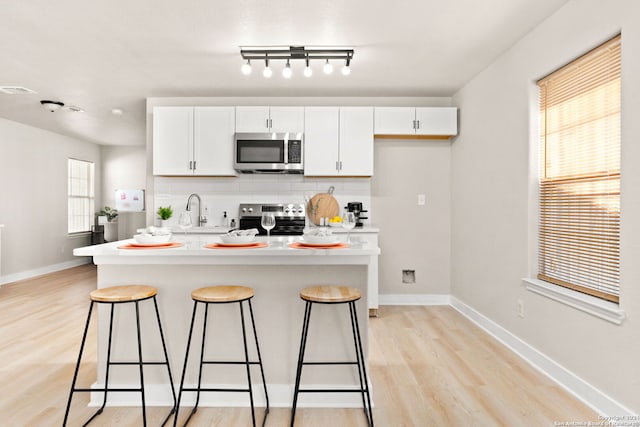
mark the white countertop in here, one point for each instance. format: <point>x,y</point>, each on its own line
<point>194,252</point>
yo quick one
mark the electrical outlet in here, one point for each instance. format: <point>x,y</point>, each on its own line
<point>520,308</point>
<point>422,199</point>
<point>408,276</point>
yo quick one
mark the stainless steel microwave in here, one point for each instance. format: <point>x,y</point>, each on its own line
<point>269,152</point>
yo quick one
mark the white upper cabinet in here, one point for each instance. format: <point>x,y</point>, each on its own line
<point>172,140</point>
<point>338,141</point>
<point>213,140</point>
<point>269,119</point>
<point>321,140</point>
<point>421,121</point>
<point>193,140</point>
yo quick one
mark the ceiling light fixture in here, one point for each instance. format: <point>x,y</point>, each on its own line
<point>267,72</point>
<point>286,72</point>
<point>246,68</point>
<point>291,53</point>
<point>52,106</point>
<point>307,70</point>
<point>327,68</point>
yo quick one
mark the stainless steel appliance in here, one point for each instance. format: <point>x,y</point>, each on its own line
<point>269,152</point>
<point>290,218</point>
<point>356,208</point>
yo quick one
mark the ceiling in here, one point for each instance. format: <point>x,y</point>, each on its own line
<point>106,54</point>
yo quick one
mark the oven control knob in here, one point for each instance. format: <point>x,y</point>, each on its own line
<point>244,210</point>
<point>250,210</point>
<point>287,210</point>
<point>300,211</point>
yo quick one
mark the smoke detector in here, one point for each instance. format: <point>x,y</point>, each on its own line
<point>52,106</point>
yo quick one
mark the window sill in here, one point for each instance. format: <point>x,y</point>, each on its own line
<point>79,235</point>
<point>606,310</point>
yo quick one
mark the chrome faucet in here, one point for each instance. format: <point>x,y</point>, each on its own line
<point>202,220</point>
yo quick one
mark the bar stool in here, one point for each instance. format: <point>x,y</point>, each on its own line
<point>112,296</point>
<point>333,295</point>
<point>223,295</point>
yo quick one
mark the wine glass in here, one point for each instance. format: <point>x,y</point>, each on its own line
<point>348,222</point>
<point>267,222</point>
<point>184,222</point>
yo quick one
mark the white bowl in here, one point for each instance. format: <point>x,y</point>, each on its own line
<point>315,240</point>
<point>230,238</point>
<point>147,239</point>
<point>335,224</point>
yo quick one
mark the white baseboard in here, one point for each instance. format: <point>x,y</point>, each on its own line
<point>280,396</point>
<point>413,299</point>
<point>591,396</point>
<point>10,278</point>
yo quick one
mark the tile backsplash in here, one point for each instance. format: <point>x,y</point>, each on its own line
<point>225,194</point>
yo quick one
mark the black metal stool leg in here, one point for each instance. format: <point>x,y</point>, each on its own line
<point>264,381</point>
<point>303,343</point>
<point>246,358</point>
<point>166,359</point>
<point>75,372</point>
<point>364,370</point>
<point>186,359</point>
<point>359,362</point>
<point>144,405</point>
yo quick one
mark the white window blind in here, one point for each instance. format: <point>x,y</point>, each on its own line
<point>80,196</point>
<point>579,228</point>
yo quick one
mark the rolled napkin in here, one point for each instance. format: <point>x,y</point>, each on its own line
<point>248,232</point>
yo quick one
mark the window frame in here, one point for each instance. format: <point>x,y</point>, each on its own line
<point>89,196</point>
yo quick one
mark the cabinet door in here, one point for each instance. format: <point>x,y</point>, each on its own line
<point>356,141</point>
<point>437,121</point>
<point>213,140</point>
<point>252,119</point>
<point>394,120</point>
<point>321,141</point>
<point>172,140</point>
<point>287,119</point>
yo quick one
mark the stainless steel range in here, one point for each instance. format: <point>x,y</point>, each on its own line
<point>290,218</point>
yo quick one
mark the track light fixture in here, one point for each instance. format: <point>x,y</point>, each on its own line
<point>292,53</point>
<point>52,106</point>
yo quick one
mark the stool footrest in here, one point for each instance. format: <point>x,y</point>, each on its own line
<point>137,363</point>
<point>330,363</point>
<point>233,390</point>
<point>212,362</point>
<point>106,390</point>
<point>331,390</point>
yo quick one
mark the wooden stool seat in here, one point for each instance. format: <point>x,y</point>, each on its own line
<point>123,293</point>
<point>330,294</point>
<point>227,293</point>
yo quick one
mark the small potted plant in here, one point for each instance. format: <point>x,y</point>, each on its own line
<point>164,213</point>
<point>111,225</point>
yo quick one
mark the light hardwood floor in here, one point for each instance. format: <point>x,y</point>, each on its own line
<point>430,366</point>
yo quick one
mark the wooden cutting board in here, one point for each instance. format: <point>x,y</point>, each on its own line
<point>322,205</point>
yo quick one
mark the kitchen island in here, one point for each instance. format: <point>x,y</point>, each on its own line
<point>277,273</point>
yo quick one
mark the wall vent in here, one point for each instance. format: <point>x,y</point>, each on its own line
<point>16,90</point>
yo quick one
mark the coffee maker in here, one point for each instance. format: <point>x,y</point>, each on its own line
<point>356,208</point>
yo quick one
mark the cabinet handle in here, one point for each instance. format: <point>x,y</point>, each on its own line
<point>414,124</point>
<point>337,167</point>
<point>190,165</point>
<point>267,123</point>
<point>270,123</point>
<point>340,165</point>
<point>418,122</point>
<point>194,165</point>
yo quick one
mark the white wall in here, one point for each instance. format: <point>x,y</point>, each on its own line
<point>33,198</point>
<point>492,180</point>
<point>413,237</point>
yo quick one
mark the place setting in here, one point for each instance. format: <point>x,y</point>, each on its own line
<point>323,238</point>
<point>152,238</point>
<point>238,239</point>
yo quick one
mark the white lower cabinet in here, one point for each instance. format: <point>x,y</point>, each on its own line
<point>338,141</point>
<point>193,141</point>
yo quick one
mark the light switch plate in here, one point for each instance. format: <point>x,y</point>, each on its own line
<point>422,199</point>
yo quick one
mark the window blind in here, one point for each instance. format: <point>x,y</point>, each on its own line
<point>80,195</point>
<point>579,189</point>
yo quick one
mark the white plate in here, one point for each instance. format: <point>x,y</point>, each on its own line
<point>237,244</point>
<point>331,243</point>
<point>146,239</point>
<point>324,240</point>
<point>151,244</point>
